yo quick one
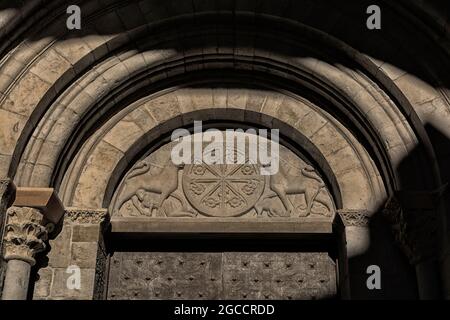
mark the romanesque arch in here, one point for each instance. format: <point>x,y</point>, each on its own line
<point>82,110</point>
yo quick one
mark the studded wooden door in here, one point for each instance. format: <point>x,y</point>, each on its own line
<point>221,275</point>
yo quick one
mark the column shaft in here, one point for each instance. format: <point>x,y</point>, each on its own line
<point>17,280</point>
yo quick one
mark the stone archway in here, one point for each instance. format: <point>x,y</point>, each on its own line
<point>80,110</point>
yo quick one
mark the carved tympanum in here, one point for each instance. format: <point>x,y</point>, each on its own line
<point>155,187</point>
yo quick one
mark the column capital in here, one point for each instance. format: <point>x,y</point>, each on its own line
<point>26,232</point>
<point>415,227</point>
<point>355,217</point>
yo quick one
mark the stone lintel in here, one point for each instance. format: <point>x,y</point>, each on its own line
<point>220,226</point>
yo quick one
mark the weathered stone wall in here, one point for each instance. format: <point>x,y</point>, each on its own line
<point>80,244</point>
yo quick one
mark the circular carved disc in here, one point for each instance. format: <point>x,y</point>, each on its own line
<point>223,190</point>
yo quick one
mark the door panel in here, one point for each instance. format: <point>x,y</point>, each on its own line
<point>221,275</point>
<point>278,275</point>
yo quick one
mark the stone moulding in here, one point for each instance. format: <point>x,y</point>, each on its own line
<point>86,216</point>
<point>355,218</point>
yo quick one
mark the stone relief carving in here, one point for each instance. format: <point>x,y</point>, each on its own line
<point>308,183</point>
<point>223,190</point>
<point>155,187</point>
<point>165,183</point>
<point>355,218</point>
<point>86,216</point>
<point>25,234</point>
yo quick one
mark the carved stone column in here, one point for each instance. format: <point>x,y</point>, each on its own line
<point>25,235</point>
<point>417,224</point>
<point>7,193</point>
<point>34,213</point>
<point>354,241</point>
<point>357,231</point>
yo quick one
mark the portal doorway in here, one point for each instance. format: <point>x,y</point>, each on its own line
<point>216,269</point>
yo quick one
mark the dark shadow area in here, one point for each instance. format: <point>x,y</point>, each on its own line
<point>214,243</point>
<point>398,275</point>
<point>442,144</point>
<point>344,21</point>
<point>11,4</point>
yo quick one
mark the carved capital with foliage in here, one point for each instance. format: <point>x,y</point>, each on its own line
<point>355,218</point>
<point>416,230</point>
<point>26,232</point>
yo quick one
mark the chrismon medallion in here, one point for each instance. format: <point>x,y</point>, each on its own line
<point>223,190</point>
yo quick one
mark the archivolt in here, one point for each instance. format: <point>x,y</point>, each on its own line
<point>93,77</point>
<point>107,156</point>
